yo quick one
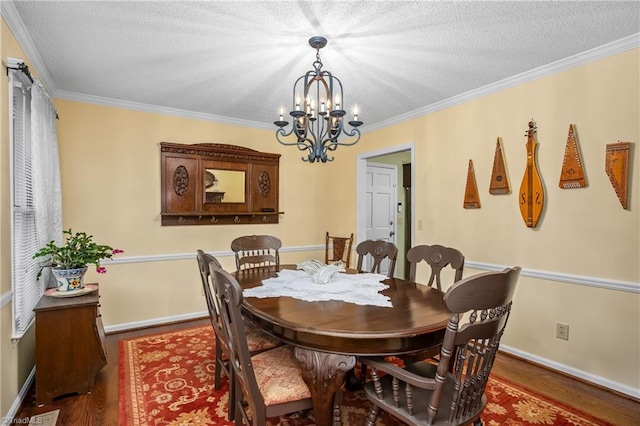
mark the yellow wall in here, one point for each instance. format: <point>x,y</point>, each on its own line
<point>110,163</point>
<point>16,360</point>
<point>583,232</point>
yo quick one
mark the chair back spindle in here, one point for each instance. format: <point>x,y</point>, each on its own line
<point>256,250</point>
<point>379,251</point>
<point>437,257</point>
<point>338,249</point>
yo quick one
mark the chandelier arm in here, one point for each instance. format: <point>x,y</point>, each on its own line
<point>326,147</point>
<point>355,132</point>
<point>302,143</point>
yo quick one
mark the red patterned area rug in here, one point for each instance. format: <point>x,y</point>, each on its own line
<point>167,379</point>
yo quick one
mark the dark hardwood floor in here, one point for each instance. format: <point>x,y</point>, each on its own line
<point>100,408</point>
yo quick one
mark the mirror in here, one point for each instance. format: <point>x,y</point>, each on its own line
<point>224,186</point>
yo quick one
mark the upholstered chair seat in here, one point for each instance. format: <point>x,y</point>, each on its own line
<point>278,376</point>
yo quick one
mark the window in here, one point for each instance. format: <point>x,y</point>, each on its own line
<point>36,211</point>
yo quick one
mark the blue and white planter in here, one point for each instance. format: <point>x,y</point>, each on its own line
<point>69,279</point>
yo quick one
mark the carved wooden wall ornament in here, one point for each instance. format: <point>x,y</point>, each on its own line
<point>264,184</point>
<point>531,198</point>
<point>180,180</point>
<point>471,195</point>
<point>217,184</point>
<point>616,166</point>
<point>572,174</point>
<point>499,177</point>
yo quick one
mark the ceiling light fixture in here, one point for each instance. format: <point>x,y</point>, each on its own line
<point>318,120</point>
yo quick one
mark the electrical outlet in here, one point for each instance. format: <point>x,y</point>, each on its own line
<point>562,331</point>
<point>419,225</point>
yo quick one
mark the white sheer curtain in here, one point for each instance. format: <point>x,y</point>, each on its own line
<point>35,195</point>
<point>47,193</point>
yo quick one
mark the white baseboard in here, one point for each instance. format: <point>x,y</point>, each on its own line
<point>10,418</point>
<point>154,322</point>
<point>574,372</point>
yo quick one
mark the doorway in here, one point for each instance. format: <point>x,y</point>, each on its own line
<point>382,196</point>
<point>404,210</point>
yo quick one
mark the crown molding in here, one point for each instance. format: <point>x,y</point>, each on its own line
<point>137,106</point>
<point>588,56</point>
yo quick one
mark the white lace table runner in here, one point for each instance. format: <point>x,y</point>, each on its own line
<point>361,289</point>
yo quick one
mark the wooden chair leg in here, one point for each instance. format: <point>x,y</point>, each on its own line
<point>231,415</point>
<point>218,372</point>
<point>337,409</point>
<point>373,414</point>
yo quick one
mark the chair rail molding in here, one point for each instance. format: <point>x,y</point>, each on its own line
<point>6,298</point>
<point>628,286</point>
<point>609,284</point>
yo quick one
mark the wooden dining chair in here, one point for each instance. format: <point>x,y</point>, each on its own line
<point>437,257</point>
<point>453,392</point>
<point>257,340</point>
<point>256,250</point>
<point>379,251</point>
<point>269,383</point>
<point>338,249</point>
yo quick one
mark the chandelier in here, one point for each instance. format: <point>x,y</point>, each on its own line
<point>318,117</point>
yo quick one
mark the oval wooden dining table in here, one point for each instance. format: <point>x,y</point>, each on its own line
<point>328,335</point>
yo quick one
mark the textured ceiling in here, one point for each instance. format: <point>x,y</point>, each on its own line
<point>238,60</point>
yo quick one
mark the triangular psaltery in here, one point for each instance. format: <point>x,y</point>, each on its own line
<point>572,175</point>
<point>616,166</point>
<point>471,197</point>
<point>499,178</point>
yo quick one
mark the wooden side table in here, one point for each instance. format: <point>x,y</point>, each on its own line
<point>70,345</point>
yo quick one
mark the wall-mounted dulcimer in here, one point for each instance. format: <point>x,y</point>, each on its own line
<point>531,197</point>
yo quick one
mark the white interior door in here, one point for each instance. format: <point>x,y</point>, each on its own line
<point>381,198</point>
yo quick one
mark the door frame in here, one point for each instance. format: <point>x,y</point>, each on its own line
<point>361,185</point>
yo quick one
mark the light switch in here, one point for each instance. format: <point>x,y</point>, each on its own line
<point>419,225</point>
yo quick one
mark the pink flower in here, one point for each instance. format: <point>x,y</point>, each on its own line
<point>101,270</point>
<point>116,251</point>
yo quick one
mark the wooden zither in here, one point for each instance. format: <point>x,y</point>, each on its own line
<point>499,178</point>
<point>531,197</point>
<point>572,175</point>
<point>471,196</point>
<point>616,166</point>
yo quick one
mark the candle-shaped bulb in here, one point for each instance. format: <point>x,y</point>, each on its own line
<point>322,107</point>
<point>355,113</point>
<point>281,114</point>
<point>337,100</point>
<point>297,103</point>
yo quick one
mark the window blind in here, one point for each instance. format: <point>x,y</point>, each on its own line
<point>24,242</point>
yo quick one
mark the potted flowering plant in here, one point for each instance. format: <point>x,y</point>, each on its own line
<point>69,261</point>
